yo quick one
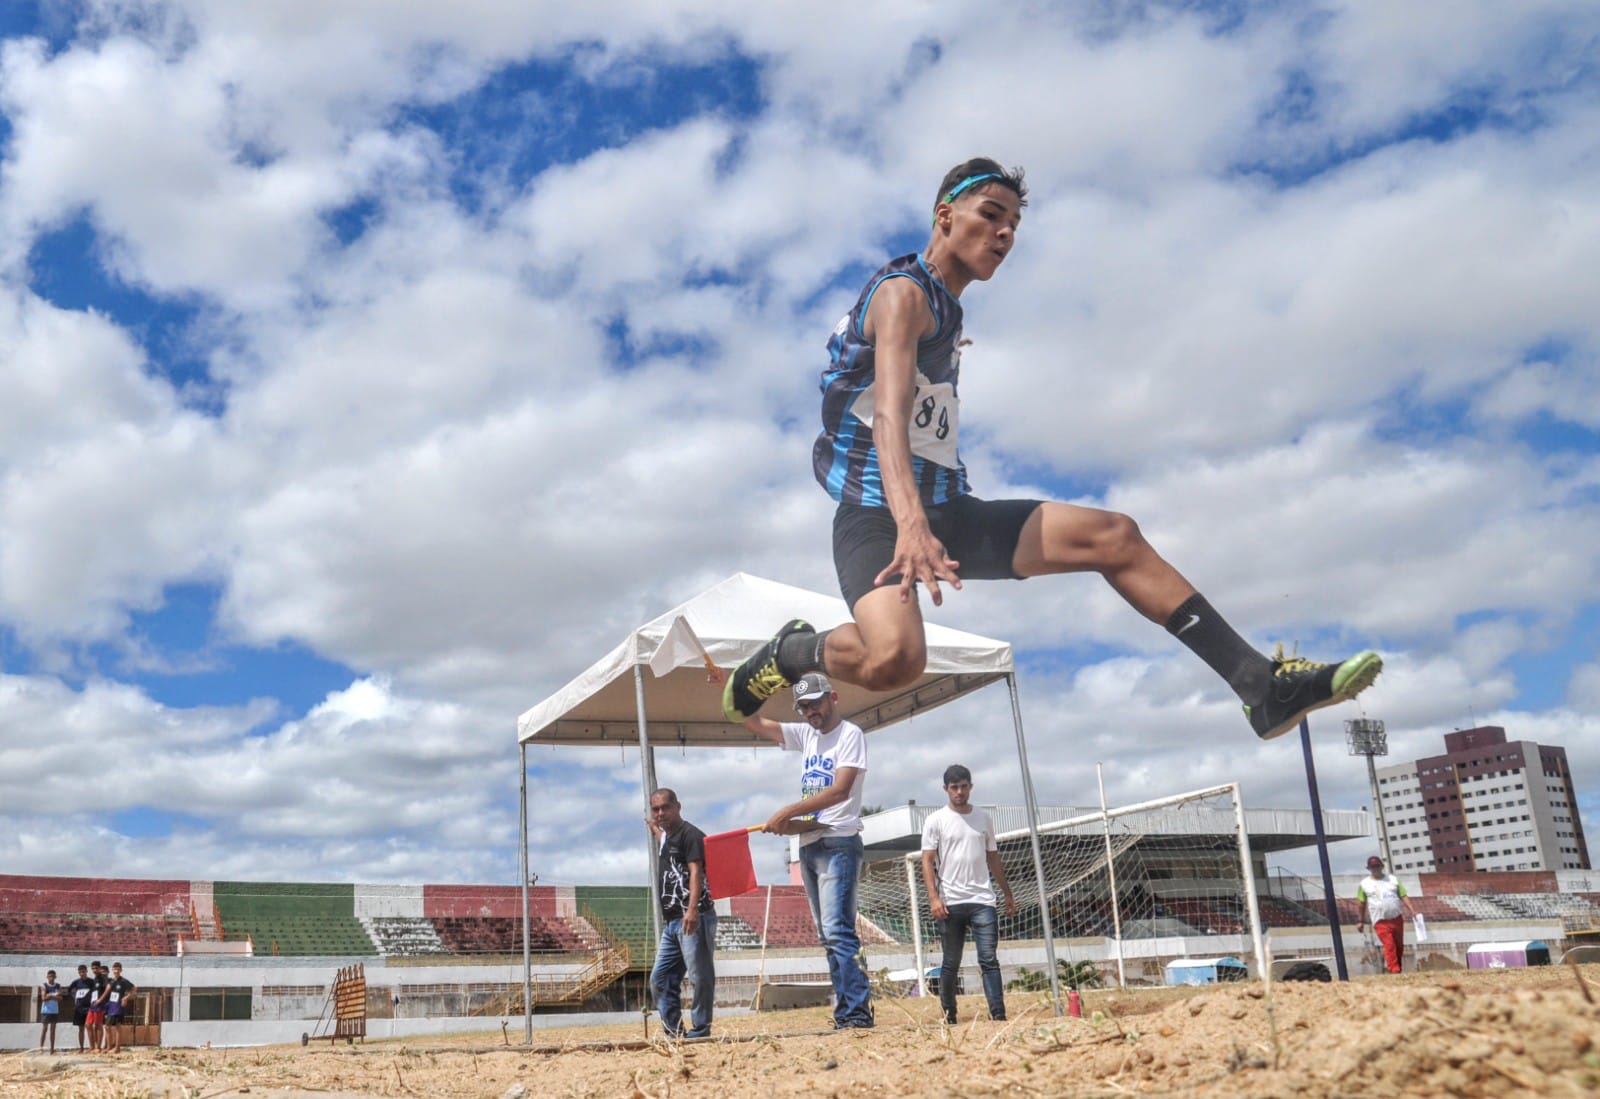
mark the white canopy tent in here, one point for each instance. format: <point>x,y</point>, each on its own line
<point>732,620</point>
<point>614,702</point>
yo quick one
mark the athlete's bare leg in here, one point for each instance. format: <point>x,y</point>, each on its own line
<point>1067,538</point>
<point>884,648</point>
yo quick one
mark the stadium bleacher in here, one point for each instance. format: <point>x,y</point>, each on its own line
<point>625,912</point>
<point>1351,911</point>
<point>1475,906</point>
<point>41,915</point>
<point>404,936</point>
<point>130,917</point>
<point>503,935</point>
<point>1204,914</point>
<point>790,924</point>
<point>487,919</point>
<point>303,919</point>
<point>586,932</point>
<point>734,934</point>
<point>1282,912</point>
<point>1437,909</point>
<point>106,916</point>
<point>1554,906</point>
<point>73,933</point>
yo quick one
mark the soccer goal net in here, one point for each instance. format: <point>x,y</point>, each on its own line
<point>1124,889</point>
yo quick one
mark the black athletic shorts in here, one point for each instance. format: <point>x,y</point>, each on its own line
<point>980,534</point>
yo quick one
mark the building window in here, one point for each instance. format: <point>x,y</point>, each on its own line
<point>16,1004</point>
<point>211,1004</point>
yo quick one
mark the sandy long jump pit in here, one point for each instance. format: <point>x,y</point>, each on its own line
<point>1501,1034</point>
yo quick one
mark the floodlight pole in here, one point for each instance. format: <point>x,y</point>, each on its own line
<point>1366,737</point>
<point>1330,902</point>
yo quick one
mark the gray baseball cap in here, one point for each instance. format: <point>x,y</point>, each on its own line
<point>811,685</point>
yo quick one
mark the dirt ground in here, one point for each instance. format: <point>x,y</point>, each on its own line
<point>1505,1033</point>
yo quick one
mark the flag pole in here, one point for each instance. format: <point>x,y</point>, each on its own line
<point>761,972</point>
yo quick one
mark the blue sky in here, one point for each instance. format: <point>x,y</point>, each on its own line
<point>370,374</point>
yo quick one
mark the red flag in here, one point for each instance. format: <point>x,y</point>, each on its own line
<point>728,868</point>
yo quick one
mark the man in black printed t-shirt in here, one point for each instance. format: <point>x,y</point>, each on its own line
<point>689,920</point>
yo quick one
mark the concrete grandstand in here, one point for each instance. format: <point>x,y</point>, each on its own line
<point>239,963</point>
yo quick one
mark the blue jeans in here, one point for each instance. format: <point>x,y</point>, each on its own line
<point>985,925</point>
<point>679,954</point>
<point>830,867</point>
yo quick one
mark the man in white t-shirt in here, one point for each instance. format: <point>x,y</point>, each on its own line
<point>827,818</point>
<point>960,869</point>
<point>1383,901</point>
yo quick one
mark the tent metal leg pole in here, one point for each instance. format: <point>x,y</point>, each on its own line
<point>647,776</point>
<point>527,948</point>
<point>1033,837</point>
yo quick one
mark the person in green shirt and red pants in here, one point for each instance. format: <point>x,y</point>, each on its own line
<point>1384,902</point>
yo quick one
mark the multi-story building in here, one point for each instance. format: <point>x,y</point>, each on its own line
<point>1485,804</point>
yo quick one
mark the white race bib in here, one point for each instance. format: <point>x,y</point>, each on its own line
<point>935,419</point>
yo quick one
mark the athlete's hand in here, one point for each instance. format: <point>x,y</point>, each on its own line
<point>778,824</point>
<point>919,556</point>
<point>691,920</point>
<point>939,909</point>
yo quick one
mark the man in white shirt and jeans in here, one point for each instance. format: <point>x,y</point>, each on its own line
<point>960,856</point>
<point>827,818</point>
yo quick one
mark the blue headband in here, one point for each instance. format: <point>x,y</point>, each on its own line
<point>968,182</point>
<point>964,184</point>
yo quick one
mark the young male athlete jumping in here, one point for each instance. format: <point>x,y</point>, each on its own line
<point>887,454</point>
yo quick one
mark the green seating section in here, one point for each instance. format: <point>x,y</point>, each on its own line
<point>625,910</point>
<point>310,919</point>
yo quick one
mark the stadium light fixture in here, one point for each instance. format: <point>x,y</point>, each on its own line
<point>1366,737</point>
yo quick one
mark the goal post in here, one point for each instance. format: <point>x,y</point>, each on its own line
<point>1137,884</point>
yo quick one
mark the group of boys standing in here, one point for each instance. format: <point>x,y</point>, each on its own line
<point>99,999</point>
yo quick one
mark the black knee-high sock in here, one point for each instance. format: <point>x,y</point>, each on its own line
<point>801,653</point>
<point>1209,637</point>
